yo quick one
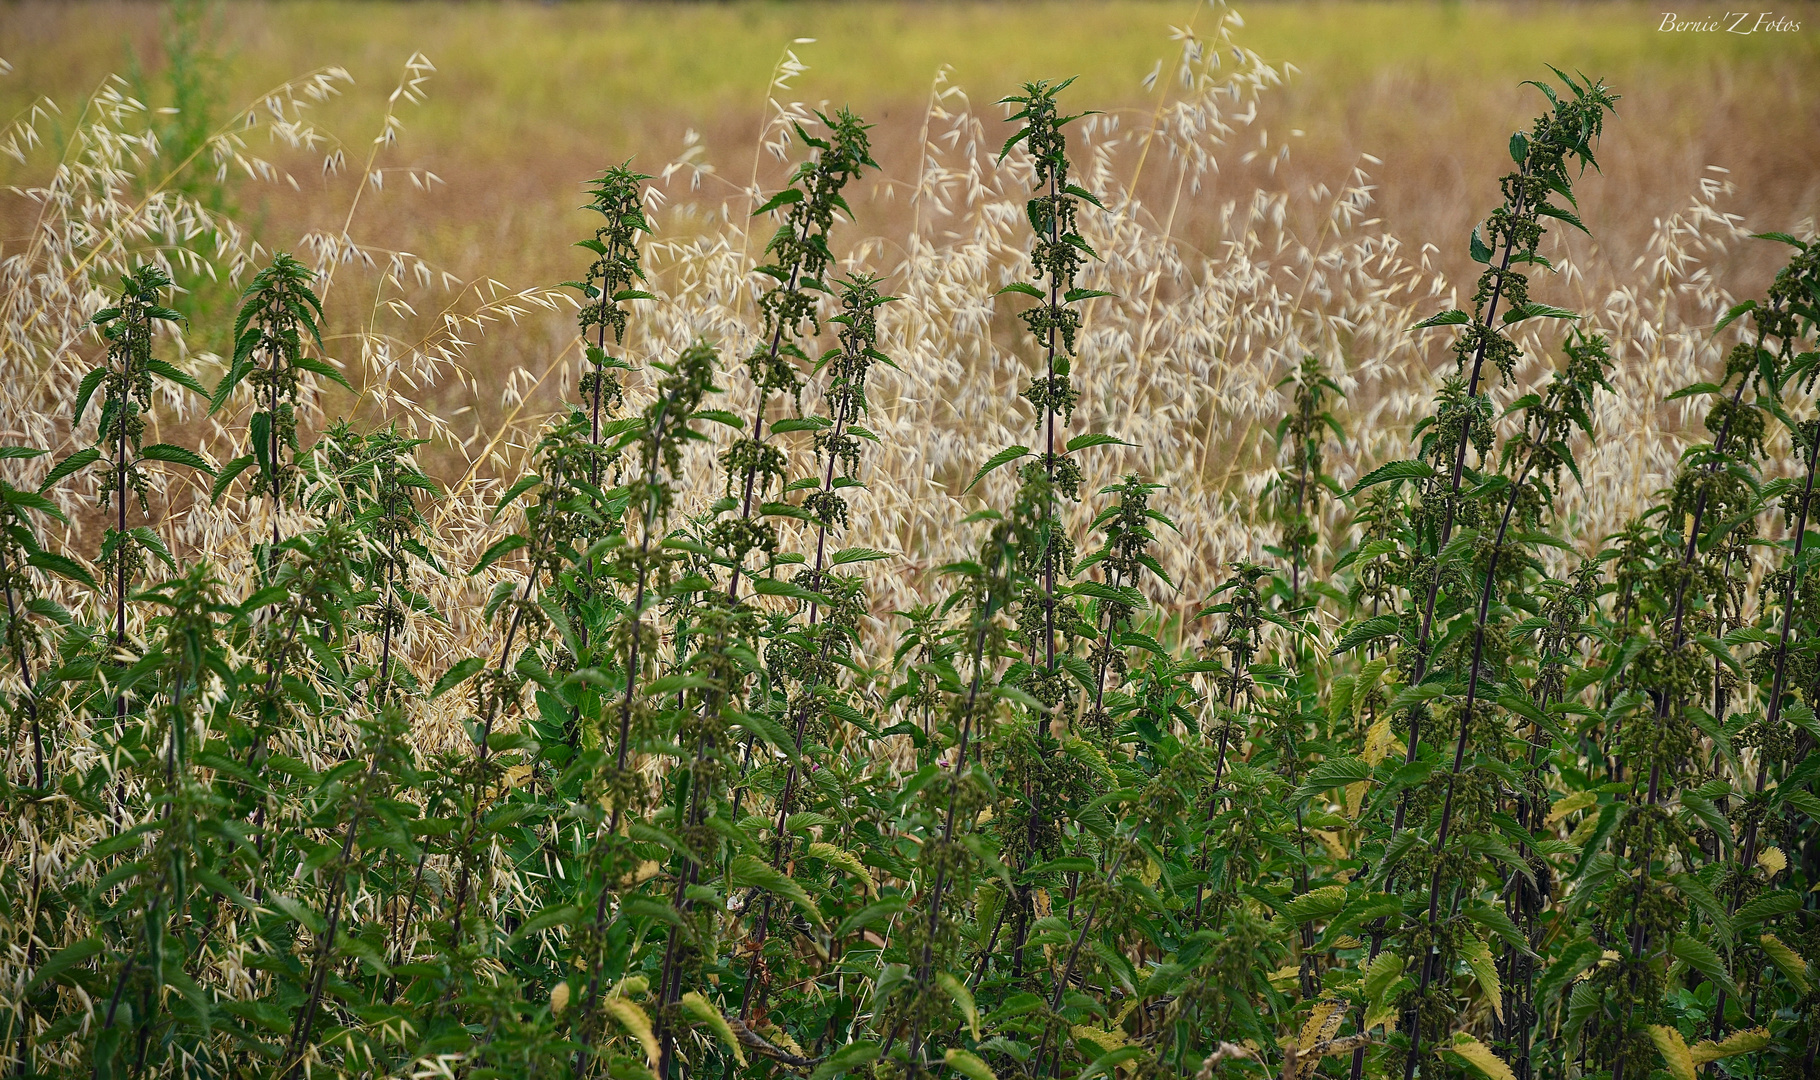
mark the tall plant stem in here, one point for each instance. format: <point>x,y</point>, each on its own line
<point>1067,973</point>
<point>799,728</point>
<point>464,876</point>
<point>1423,640</point>
<point>1747,854</point>
<point>926,962</point>
<point>1049,514</point>
<point>758,417</point>
<point>592,997</point>
<point>120,562</point>
<point>319,963</point>
<point>670,975</point>
<point>15,632</point>
<point>1639,936</point>
<point>1213,800</point>
<point>1431,955</point>
<point>276,497</point>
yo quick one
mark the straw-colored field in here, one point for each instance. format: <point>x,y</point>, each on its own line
<point>529,99</point>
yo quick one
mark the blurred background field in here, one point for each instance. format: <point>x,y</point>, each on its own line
<point>530,99</point>
<point>1332,213</point>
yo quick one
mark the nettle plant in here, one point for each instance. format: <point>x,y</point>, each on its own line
<point>1434,784</point>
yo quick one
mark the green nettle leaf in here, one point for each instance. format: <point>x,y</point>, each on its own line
<point>62,566</point>
<point>703,1010</point>
<point>165,371</point>
<point>1480,1057</point>
<point>1453,317</point>
<point>1790,962</point>
<point>70,465</point>
<point>1767,906</point>
<point>1334,772</point>
<point>175,455</point>
<point>968,1064</point>
<point>1561,215</point>
<point>1394,470</point>
<point>1537,311</point>
<point>324,369</point>
<point>61,961</point>
<point>858,554</point>
<point>151,542</point>
<point>461,671</point>
<point>1484,967</point>
<point>230,472</point>
<point>84,391</point>
<point>27,500</point>
<point>1094,438</point>
<point>497,550</point>
<point>849,1058</point>
<point>1675,1054</point>
<point>750,872</point>
<point>1003,457</point>
<point>963,1001</point>
<point>1378,626</point>
<point>1106,1063</point>
<point>786,197</point>
<point>1479,252</point>
<point>1701,957</point>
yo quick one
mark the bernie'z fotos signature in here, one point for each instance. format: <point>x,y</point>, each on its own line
<point>1732,22</point>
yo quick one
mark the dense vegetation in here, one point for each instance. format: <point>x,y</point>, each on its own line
<point>1437,785</point>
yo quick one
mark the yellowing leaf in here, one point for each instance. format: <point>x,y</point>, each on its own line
<point>1323,1020</point>
<point>1379,980</point>
<point>1772,861</point>
<point>1738,1042</point>
<point>968,1065</point>
<point>1579,800</point>
<point>1370,673</point>
<point>1379,740</point>
<point>633,1019</point>
<point>645,872</point>
<point>1285,974</point>
<point>1107,1041</point>
<point>1674,1051</point>
<point>1384,1012</point>
<point>847,861</point>
<point>777,1036</point>
<point>963,1000</point>
<point>1331,841</point>
<point>1355,798</point>
<point>1790,961</point>
<point>1484,967</point>
<point>1480,1057</point>
<point>704,1010</point>
<point>559,998</point>
<point>1583,831</point>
